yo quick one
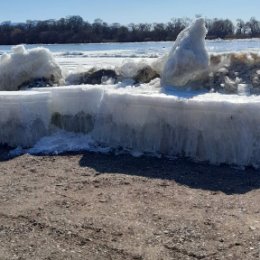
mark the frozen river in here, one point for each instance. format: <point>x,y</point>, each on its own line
<point>71,56</point>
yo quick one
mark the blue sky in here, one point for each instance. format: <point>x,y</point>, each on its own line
<point>126,11</point>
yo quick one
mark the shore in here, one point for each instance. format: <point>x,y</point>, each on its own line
<point>93,206</point>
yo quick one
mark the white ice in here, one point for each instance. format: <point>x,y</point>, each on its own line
<point>205,127</point>
<point>188,60</point>
<point>21,66</point>
<point>24,117</point>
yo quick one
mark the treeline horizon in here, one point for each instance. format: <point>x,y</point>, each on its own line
<point>73,29</point>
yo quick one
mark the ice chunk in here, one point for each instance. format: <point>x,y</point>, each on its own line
<point>188,60</point>
<point>74,108</point>
<point>24,117</point>
<point>129,69</point>
<point>23,66</point>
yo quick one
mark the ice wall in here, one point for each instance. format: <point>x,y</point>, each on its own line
<point>205,128</point>
<point>188,60</point>
<point>208,127</point>
<point>24,117</point>
<point>22,66</point>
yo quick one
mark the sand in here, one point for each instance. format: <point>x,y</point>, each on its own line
<point>92,206</point>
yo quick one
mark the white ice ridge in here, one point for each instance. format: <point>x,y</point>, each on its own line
<point>188,60</point>
<point>207,127</point>
<point>22,66</point>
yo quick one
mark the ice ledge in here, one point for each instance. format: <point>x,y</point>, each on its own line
<point>206,127</point>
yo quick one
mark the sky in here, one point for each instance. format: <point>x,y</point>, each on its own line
<point>127,11</point>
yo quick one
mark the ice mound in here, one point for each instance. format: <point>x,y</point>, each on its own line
<point>188,60</point>
<point>21,67</point>
<point>189,65</point>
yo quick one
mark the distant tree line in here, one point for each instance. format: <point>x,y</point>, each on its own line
<point>74,29</point>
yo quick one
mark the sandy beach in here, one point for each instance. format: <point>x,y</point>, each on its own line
<point>93,206</point>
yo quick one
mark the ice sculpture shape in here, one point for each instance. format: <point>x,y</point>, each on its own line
<point>188,60</point>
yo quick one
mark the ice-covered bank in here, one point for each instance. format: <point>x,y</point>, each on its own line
<point>205,127</point>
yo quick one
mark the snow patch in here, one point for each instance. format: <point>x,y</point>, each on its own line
<point>62,141</point>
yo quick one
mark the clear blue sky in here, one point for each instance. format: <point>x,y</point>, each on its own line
<point>127,11</point>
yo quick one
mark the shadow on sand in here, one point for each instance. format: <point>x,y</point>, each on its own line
<point>4,153</point>
<point>194,175</point>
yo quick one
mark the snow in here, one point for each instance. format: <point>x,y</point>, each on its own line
<point>188,60</point>
<point>55,144</point>
<point>22,66</point>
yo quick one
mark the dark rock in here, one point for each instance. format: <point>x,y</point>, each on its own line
<point>98,76</point>
<point>145,75</point>
<point>38,83</point>
<point>92,77</point>
<point>79,123</point>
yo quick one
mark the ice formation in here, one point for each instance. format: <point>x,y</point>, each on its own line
<point>207,127</point>
<point>188,60</point>
<point>190,65</point>
<point>24,66</point>
<point>138,118</point>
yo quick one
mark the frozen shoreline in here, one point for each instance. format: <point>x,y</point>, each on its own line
<point>205,127</point>
<point>130,108</point>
